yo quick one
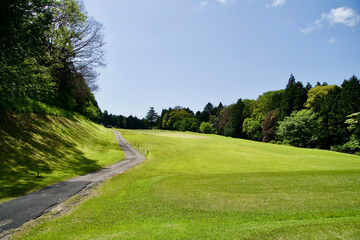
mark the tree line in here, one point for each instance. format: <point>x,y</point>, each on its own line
<point>324,116</point>
<point>49,52</point>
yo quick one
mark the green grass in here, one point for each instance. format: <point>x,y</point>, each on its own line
<point>24,105</point>
<point>57,147</point>
<point>195,186</point>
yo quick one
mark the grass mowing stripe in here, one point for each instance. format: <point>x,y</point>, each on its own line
<point>195,186</point>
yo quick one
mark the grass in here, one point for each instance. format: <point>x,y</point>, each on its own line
<point>56,147</point>
<point>25,105</point>
<point>195,186</point>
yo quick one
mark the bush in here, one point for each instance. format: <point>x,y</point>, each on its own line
<point>301,129</point>
<point>206,127</point>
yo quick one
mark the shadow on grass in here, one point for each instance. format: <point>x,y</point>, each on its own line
<point>32,144</point>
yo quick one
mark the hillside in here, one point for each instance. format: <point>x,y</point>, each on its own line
<point>55,147</point>
<point>197,186</point>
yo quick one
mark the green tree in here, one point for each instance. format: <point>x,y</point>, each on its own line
<point>23,73</point>
<point>174,116</point>
<point>266,102</point>
<point>294,98</point>
<point>301,129</point>
<point>187,124</point>
<point>252,129</point>
<point>151,117</point>
<point>317,91</point>
<point>206,127</point>
<point>234,125</point>
<point>224,119</point>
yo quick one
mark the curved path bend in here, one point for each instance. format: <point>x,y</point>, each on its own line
<point>20,210</point>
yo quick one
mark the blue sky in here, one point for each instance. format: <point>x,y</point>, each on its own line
<point>165,53</point>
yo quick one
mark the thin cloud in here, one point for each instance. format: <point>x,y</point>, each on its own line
<point>276,3</point>
<point>332,41</point>
<point>204,3</point>
<point>341,15</point>
<point>226,2</point>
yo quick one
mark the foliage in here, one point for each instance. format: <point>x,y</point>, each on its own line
<point>252,129</point>
<point>266,102</point>
<point>353,145</point>
<point>269,125</point>
<point>186,124</point>
<point>151,117</point>
<point>294,98</point>
<point>119,121</point>
<point>301,129</point>
<point>234,125</point>
<point>49,52</point>
<point>317,91</point>
<point>174,116</point>
<point>333,109</point>
<point>206,127</point>
<point>224,118</point>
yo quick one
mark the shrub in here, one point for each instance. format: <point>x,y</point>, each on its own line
<point>206,127</point>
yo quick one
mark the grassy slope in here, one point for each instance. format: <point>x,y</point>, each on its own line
<point>56,147</point>
<point>220,188</point>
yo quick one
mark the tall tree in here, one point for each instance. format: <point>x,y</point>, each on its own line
<point>294,98</point>
<point>151,117</point>
<point>234,126</point>
<point>269,125</point>
<point>22,49</point>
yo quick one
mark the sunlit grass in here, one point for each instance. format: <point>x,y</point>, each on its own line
<point>195,186</point>
<point>55,147</point>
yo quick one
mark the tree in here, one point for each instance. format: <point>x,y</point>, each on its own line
<point>223,119</point>
<point>317,91</point>
<point>333,108</point>
<point>301,129</point>
<point>151,117</point>
<point>187,124</point>
<point>175,115</point>
<point>23,73</point>
<point>269,125</point>
<point>206,127</point>
<point>209,108</point>
<point>294,98</point>
<point>234,125</point>
<point>49,52</point>
<point>266,102</point>
<point>353,145</point>
<point>252,129</point>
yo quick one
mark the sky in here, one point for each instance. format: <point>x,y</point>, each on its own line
<point>167,53</point>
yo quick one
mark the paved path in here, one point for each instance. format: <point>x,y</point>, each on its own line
<point>20,210</point>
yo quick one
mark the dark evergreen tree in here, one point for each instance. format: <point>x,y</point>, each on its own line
<point>151,117</point>
<point>294,98</point>
<point>234,126</point>
<point>209,108</point>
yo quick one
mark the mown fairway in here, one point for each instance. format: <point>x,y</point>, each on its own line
<point>57,148</point>
<point>212,187</point>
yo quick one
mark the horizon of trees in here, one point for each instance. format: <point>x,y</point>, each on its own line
<point>324,116</point>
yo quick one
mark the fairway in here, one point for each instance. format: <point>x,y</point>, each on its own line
<point>196,186</point>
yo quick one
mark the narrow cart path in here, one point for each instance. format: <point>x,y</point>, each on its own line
<point>20,210</point>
